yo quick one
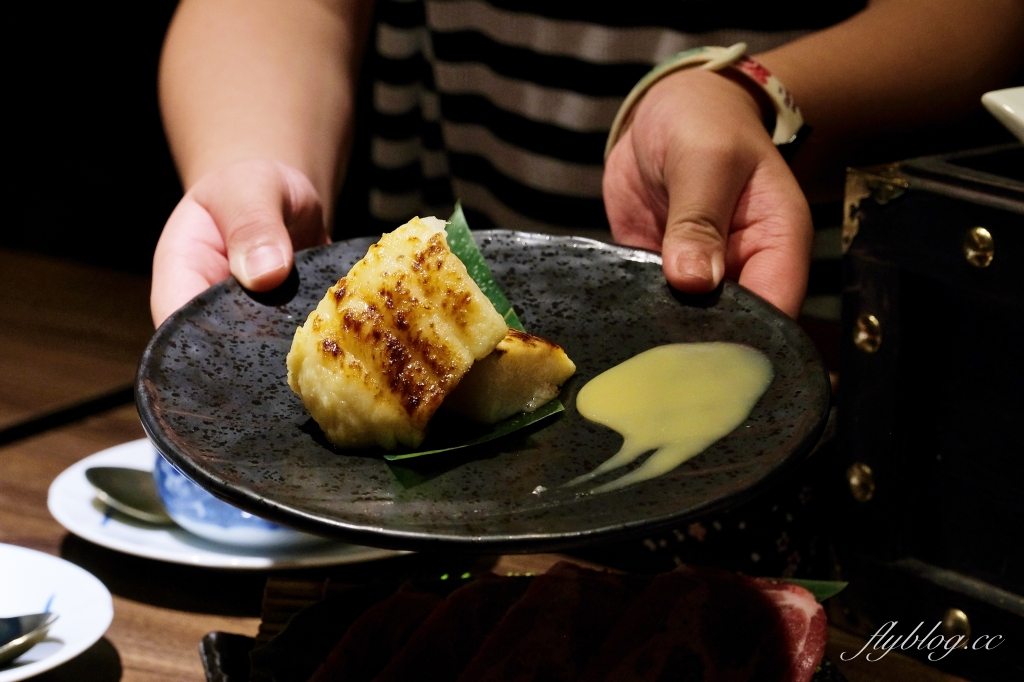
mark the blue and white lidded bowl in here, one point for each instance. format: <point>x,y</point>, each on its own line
<point>202,514</point>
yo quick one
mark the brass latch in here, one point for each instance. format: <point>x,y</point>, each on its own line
<point>881,183</point>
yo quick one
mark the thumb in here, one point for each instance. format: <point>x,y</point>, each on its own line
<point>702,197</point>
<point>262,208</point>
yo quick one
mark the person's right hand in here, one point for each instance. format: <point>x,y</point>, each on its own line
<point>697,177</point>
<point>243,219</point>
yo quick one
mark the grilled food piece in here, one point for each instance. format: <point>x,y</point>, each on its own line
<point>521,374</point>
<point>391,339</point>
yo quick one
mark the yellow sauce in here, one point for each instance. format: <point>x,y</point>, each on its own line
<point>675,400</point>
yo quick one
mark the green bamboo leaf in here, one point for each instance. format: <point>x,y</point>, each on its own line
<point>821,589</point>
<point>462,244</point>
<point>452,433</point>
<point>466,435</point>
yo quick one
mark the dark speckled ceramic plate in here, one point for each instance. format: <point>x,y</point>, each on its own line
<point>212,395</point>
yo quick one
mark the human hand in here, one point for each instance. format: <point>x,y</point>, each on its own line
<point>242,219</point>
<point>697,177</point>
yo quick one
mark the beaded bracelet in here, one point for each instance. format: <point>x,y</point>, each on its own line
<point>789,123</point>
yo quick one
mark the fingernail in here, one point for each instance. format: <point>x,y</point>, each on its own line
<point>262,261</point>
<point>695,267</point>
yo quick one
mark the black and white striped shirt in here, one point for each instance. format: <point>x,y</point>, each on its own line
<point>506,105</point>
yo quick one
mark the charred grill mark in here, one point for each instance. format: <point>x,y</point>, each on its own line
<point>351,323</point>
<point>339,290</point>
<point>433,256</point>
<point>430,370</point>
<point>437,358</point>
<point>528,339</point>
<point>428,283</point>
<point>433,362</point>
<point>396,356</point>
<point>389,298</point>
<point>457,302</point>
<point>408,379</point>
<point>331,346</point>
<point>436,248</point>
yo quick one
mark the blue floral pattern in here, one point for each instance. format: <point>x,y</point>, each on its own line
<point>185,499</point>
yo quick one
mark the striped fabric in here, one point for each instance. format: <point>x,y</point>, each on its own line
<point>506,105</point>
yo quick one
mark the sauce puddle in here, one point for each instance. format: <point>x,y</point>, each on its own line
<point>675,400</point>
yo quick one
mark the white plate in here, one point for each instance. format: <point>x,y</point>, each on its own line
<point>73,503</point>
<point>1007,106</point>
<point>33,582</point>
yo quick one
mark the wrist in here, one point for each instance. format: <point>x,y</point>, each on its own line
<point>779,113</point>
<point>705,109</point>
<point>724,89</point>
<point>761,101</point>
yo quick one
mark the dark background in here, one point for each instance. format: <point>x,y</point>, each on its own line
<point>92,177</point>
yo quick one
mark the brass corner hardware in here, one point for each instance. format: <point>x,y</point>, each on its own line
<point>881,183</point>
<point>979,248</point>
<point>861,480</point>
<point>867,333</point>
<point>955,623</point>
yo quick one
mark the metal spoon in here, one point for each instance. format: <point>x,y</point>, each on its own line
<point>129,491</point>
<point>18,634</point>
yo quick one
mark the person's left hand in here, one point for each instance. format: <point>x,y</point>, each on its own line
<point>696,176</point>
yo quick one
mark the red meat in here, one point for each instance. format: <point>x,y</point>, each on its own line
<point>803,621</point>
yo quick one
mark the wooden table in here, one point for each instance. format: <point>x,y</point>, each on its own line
<point>70,340</point>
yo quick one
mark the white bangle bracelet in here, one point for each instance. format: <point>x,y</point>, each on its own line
<point>788,120</point>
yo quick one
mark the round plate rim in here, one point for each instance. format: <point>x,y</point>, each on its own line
<point>66,653</point>
<point>488,544</point>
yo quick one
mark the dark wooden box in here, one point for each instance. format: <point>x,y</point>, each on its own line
<point>930,477</point>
